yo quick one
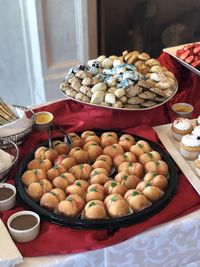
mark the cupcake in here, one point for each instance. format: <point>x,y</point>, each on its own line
<point>196,130</point>
<point>181,127</point>
<point>190,146</point>
<point>197,165</point>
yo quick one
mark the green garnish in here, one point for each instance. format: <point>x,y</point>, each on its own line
<point>78,183</point>
<point>125,156</point>
<point>35,171</point>
<point>155,174</point>
<point>157,163</point>
<point>62,175</point>
<point>92,189</point>
<point>140,146</point>
<point>55,166</point>
<point>130,164</point>
<point>92,204</point>
<point>114,198</point>
<point>81,166</point>
<point>113,184</point>
<point>125,177</point>
<point>127,138</point>
<point>40,161</point>
<point>147,184</point>
<point>109,135</point>
<point>47,148</point>
<point>52,193</point>
<point>69,199</point>
<point>95,173</point>
<point>150,154</point>
<point>135,194</point>
<point>114,146</point>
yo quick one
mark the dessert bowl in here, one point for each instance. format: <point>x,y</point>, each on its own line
<point>7,196</point>
<point>43,120</point>
<point>183,109</point>
<point>24,226</point>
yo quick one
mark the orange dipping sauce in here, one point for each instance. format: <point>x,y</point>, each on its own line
<point>182,108</point>
<point>43,117</point>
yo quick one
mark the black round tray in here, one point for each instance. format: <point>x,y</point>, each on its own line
<point>101,223</point>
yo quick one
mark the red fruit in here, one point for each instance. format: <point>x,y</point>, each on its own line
<point>188,47</point>
<point>189,59</point>
<point>196,63</point>
<point>196,50</point>
<point>180,51</point>
<point>184,55</point>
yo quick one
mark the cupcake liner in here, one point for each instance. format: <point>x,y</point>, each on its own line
<point>189,155</point>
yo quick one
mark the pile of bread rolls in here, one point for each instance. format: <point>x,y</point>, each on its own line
<point>132,80</point>
<point>97,177</point>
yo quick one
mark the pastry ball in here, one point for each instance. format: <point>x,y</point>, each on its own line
<point>126,157</point>
<point>108,141</point>
<point>84,184</point>
<point>129,181</point>
<point>68,162</point>
<point>59,193</point>
<point>55,171</point>
<point>152,193</point>
<point>156,180</point>
<point>149,156</point>
<point>81,171</point>
<point>85,134</point>
<point>94,151</point>
<point>136,200</point>
<point>60,182</point>
<point>102,164</point>
<point>113,150</point>
<point>132,168</point>
<point>92,137</point>
<point>60,147</point>
<point>113,187</point>
<point>159,167</point>
<point>44,164</point>
<point>95,191</point>
<point>80,155</point>
<point>86,145</point>
<point>33,175</point>
<point>76,189</point>
<point>99,176</point>
<point>68,208</point>
<point>109,134</point>
<point>46,153</point>
<point>126,141</point>
<point>36,189</point>
<point>80,203</point>
<point>105,158</point>
<point>49,201</point>
<point>77,141</point>
<point>95,209</point>
<point>140,148</point>
<point>116,206</point>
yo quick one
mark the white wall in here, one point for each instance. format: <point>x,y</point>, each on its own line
<point>39,41</point>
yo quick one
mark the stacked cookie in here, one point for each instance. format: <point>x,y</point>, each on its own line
<point>133,81</point>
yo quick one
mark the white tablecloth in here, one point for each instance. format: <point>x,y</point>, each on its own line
<point>174,244</point>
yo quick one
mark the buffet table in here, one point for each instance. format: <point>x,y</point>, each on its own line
<point>169,238</point>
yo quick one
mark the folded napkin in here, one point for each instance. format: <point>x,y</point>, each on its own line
<point>6,160</point>
<point>9,254</point>
<point>16,126</point>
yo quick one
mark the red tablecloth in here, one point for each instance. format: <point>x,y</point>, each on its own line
<point>54,239</point>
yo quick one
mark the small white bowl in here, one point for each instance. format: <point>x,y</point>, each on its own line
<point>43,120</point>
<point>183,110</point>
<point>7,197</point>
<point>24,226</point>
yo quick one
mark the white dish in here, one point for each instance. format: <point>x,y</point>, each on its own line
<point>172,52</point>
<point>121,109</point>
<point>172,146</point>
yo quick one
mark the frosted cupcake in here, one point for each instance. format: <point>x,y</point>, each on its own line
<point>197,165</point>
<point>190,146</point>
<point>196,130</point>
<point>181,127</point>
<point>198,121</point>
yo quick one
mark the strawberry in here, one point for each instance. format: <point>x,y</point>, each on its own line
<point>189,59</point>
<point>184,55</point>
<point>196,50</point>
<point>196,64</point>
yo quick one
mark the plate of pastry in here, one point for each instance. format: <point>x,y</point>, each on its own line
<point>187,54</point>
<point>105,179</point>
<point>133,81</point>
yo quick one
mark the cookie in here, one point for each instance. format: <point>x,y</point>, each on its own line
<point>135,100</point>
<point>148,104</point>
<point>147,95</point>
<point>133,90</point>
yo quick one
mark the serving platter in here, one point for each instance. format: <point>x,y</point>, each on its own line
<point>172,52</point>
<point>109,223</point>
<point>173,147</point>
<point>125,109</point>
